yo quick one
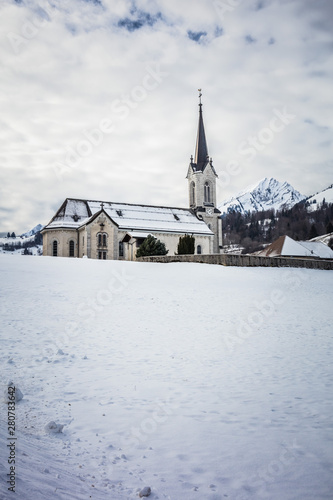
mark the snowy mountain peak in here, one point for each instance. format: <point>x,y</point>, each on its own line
<point>265,195</point>
<point>32,231</point>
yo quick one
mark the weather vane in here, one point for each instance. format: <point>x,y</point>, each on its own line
<point>200,94</point>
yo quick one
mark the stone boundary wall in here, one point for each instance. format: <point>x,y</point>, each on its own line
<point>245,261</point>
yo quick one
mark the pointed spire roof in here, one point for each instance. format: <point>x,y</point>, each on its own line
<point>201,158</point>
<point>201,151</point>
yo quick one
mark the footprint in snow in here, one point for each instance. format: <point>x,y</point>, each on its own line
<point>53,428</point>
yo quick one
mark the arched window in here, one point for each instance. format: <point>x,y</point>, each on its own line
<point>199,249</point>
<point>121,249</point>
<point>102,240</point>
<point>71,248</point>
<point>192,194</point>
<point>55,248</point>
<point>207,193</point>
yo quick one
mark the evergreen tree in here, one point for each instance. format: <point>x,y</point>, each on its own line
<point>186,245</point>
<point>38,238</point>
<point>13,235</point>
<point>8,235</point>
<point>329,228</point>
<point>151,246</point>
<point>313,232</point>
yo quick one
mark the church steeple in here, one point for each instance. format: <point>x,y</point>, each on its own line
<point>201,151</point>
<point>201,178</point>
<point>201,159</point>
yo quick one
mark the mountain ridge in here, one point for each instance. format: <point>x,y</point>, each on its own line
<point>266,194</point>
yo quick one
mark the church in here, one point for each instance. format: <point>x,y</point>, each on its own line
<point>107,230</point>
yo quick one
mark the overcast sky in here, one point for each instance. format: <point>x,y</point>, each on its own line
<point>99,99</point>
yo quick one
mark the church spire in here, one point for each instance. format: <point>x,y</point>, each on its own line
<point>201,151</point>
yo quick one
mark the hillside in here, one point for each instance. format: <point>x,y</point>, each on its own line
<point>222,396</point>
<point>28,243</point>
<point>250,230</point>
<point>315,201</point>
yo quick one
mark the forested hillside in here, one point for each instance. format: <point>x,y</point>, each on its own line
<point>252,231</point>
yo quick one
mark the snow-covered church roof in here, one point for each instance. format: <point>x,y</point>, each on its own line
<point>75,213</point>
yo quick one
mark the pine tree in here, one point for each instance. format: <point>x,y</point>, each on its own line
<point>151,246</point>
<point>329,228</point>
<point>186,245</point>
<point>313,232</point>
<point>330,243</point>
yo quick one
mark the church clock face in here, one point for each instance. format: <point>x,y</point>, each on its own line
<point>209,211</point>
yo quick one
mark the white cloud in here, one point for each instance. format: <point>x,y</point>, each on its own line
<point>60,79</point>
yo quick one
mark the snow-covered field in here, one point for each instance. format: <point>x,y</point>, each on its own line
<point>201,382</point>
<point>36,251</point>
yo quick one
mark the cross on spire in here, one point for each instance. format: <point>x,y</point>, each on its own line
<point>102,205</point>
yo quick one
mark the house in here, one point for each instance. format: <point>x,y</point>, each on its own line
<point>108,230</point>
<point>287,247</point>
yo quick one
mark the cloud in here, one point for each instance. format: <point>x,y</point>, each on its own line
<point>139,18</point>
<point>196,36</point>
<point>74,69</point>
<point>249,39</point>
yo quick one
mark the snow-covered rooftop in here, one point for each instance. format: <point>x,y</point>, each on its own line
<point>286,246</point>
<point>76,213</point>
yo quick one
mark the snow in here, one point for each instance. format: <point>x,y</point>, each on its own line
<point>315,202</point>
<point>32,231</point>
<point>267,194</point>
<point>131,217</point>
<point>318,249</point>
<point>306,249</point>
<point>324,238</point>
<point>197,381</point>
<point>16,240</point>
<point>37,250</point>
<point>292,247</point>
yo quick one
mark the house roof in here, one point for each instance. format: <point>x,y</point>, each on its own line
<point>286,246</point>
<point>75,213</point>
<point>318,249</point>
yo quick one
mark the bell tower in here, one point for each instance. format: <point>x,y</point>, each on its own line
<point>201,176</point>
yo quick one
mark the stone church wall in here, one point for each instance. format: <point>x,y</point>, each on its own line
<point>63,237</point>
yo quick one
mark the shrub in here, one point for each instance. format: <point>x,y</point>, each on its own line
<point>151,246</point>
<point>186,245</point>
